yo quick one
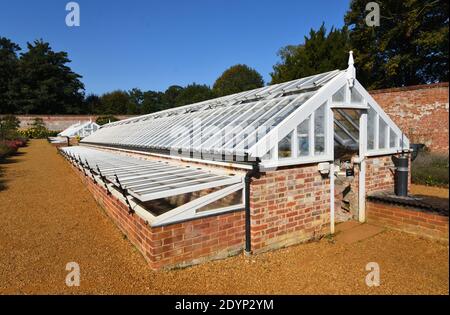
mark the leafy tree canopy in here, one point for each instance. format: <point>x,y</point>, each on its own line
<point>237,79</point>
<point>8,71</point>
<point>116,102</point>
<point>409,47</point>
<point>194,93</point>
<point>45,84</point>
<point>320,52</point>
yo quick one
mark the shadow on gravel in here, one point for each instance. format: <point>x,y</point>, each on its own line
<point>9,160</point>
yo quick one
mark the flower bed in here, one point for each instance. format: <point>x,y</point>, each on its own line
<point>9,147</point>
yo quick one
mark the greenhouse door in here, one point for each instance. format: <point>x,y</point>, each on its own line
<point>349,171</point>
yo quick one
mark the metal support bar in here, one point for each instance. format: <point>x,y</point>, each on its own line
<point>103,178</point>
<point>123,191</point>
<point>91,171</point>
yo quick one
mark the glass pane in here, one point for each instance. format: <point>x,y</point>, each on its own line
<point>355,97</point>
<point>230,200</point>
<point>392,139</point>
<point>303,137</point>
<point>371,115</point>
<point>348,119</point>
<point>382,134</point>
<point>319,130</point>
<point>285,147</point>
<point>268,155</point>
<point>339,96</point>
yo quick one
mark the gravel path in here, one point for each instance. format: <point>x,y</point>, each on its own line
<point>48,218</point>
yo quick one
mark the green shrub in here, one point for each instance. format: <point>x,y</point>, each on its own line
<point>37,132</point>
<point>102,120</point>
<point>9,125</point>
<point>430,169</point>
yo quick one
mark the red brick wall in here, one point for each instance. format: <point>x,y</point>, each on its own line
<point>420,111</point>
<point>408,220</point>
<point>288,206</point>
<point>59,122</point>
<point>175,245</point>
<point>379,176</point>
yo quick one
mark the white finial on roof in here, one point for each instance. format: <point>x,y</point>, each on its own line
<point>351,62</point>
<point>351,71</point>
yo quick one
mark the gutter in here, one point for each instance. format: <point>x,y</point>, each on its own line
<point>254,173</point>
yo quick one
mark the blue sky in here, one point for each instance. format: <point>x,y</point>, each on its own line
<point>154,44</point>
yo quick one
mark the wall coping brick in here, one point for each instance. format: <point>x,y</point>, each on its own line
<point>410,88</point>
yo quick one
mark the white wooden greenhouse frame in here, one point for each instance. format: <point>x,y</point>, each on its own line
<point>241,131</point>
<point>81,129</point>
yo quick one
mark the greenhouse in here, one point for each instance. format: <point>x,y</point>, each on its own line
<point>80,129</point>
<point>253,171</point>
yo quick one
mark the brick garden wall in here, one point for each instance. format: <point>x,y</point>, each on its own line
<point>59,122</point>
<point>289,206</point>
<point>405,219</point>
<point>175,245</point>
<point>422,112</point>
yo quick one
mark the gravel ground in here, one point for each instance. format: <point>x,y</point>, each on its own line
<point>48,218</point>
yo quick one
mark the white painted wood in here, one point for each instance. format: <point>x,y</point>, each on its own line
<point>188,210</point>
<point>362,167</point>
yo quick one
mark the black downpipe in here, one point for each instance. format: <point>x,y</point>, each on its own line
<point>401,175</point>
<point>254,173</point>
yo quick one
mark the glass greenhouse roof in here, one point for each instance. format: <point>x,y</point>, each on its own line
<point>147,180</point>
<point>228,125</point>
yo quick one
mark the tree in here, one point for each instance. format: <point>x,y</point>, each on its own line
<point>320,52</point>
<point>116,102</point>
<point>92,104</point>
<point>136,101</point>
<point>236,79</point>
<point>194,93</point>
<point>8,71</point>
<point>153,101</point>
<point>45,84</point>
<point>409,47</point>
<point>171,95</point>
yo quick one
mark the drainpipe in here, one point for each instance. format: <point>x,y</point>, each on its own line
<point>254,173</point>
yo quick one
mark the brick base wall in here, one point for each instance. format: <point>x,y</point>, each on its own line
<point>379,175</point>
<point>289,206</point>
<point>175,245</point>
<point>408,220</point>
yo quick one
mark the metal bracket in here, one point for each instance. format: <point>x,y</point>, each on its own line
<point>90,171</point>
<point>123,191</point>
<point>103,180</point>
<point>82,166</point>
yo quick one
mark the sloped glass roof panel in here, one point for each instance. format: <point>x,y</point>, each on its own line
<point>148,180</point>
<point>229,124</point>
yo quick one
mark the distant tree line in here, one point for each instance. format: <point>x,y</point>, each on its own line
<point>409,47</point>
